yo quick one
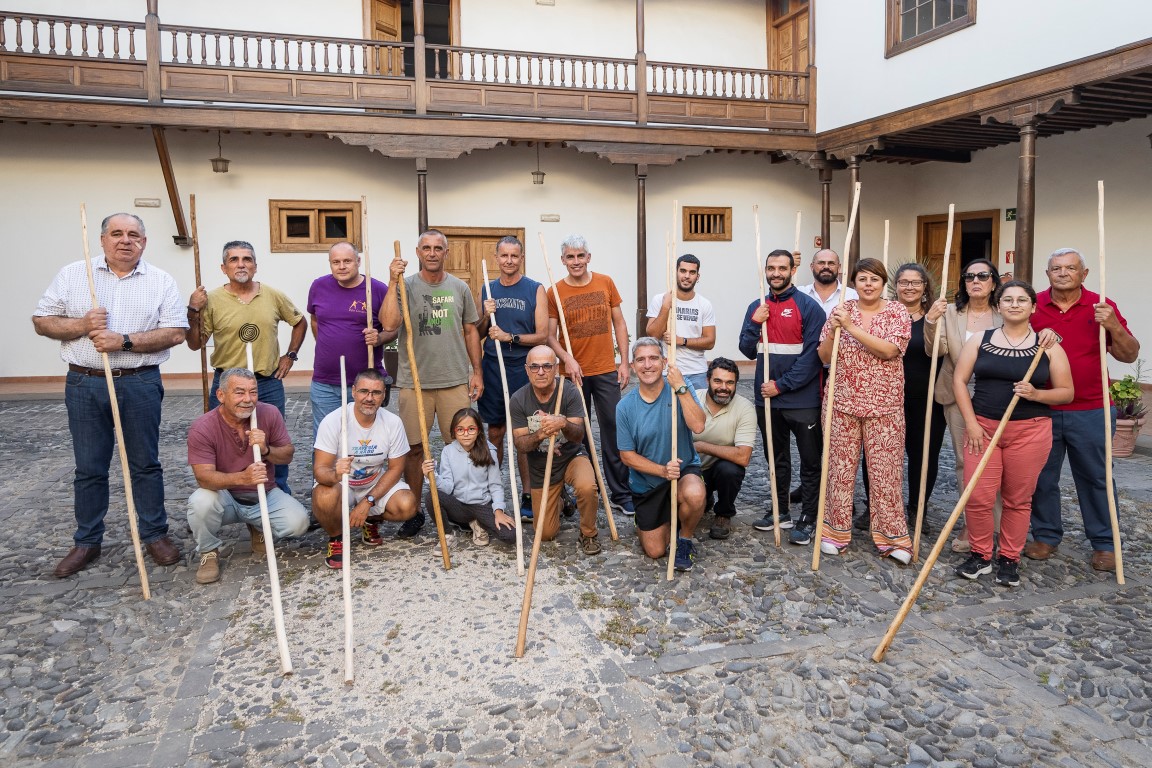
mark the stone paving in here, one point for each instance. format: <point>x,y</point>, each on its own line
<point>752,659</point>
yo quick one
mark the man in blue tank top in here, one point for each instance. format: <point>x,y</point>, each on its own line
<point>516,318</point>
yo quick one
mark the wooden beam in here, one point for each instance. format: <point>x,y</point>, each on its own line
<point>181,237</point>
<point>897,152</point>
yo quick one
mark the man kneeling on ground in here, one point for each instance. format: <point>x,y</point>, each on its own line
<point>220,452</point>
<point>377,447</point>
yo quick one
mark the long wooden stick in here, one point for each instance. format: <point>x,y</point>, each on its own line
<point>831,397</point>
<point>196,267</point>
<point>1109,479</point>
<point>510,449</point>
<point>538,534</point>
<point>929,561</point>
<point>420,411</point>
<point>270,549</point>
<point>587,416</point>
<point>884,260</point>
<point>922,496</point>
<point>796,239</point>
<point>346,561</point>
<point>764,344</point>
<point>371,320</point>
<point>114,403</point>
<point>674,502</point>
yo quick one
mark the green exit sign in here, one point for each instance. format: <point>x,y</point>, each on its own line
<point>1010,214</point>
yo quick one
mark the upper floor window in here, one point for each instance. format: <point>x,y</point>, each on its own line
<point>915,22</point>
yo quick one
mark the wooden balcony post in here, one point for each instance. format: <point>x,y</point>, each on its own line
<point>419,56</point>
<point>641,68</point>
<point>421,193</point>
<point>641,252</point>
<point>1025,202</point>
<point>152,49</point>
<point>853,250</point>
<point>825,207</point>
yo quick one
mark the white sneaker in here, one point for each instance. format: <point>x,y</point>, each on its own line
<point>479,535</point>
<point>828,548</point>
<point>901,556</point>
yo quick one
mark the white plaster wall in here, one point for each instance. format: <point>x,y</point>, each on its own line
<point>1009,39</point>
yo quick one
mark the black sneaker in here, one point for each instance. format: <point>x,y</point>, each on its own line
<point>975,566</point>
<point>802,534</point>
<point>568,502</point>
<point>721,528</point>
<point>685,554</point>
<point>1007,572</point>
<point>411,528</point>
<point>766,524</point>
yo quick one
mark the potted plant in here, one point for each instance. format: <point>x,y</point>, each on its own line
<point>1130,411</point>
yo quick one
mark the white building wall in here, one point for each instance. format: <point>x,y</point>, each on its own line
<point>1009,39</point>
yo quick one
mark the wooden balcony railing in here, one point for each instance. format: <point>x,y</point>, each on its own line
<point>159,63</point>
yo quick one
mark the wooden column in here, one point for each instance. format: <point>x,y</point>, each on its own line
<point>641,253</point>
<point>854,249</point>
<point>1025,203</point>
<point>641,68</point>
<point>152,50</point>
<point>825,207</point>
<point>419,55</point>
<point>421,193</point>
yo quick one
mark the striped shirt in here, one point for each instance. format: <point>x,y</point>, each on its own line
<point>143,300</point>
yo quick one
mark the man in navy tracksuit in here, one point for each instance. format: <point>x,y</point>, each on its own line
<point>794,321</point>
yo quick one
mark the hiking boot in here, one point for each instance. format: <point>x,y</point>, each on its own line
<point>975,566</point>
<point>1007,572</point>
<point>370,534</point>
<point>209,570</point>
<point>802,534</point>
<point>685,554</point>
<point>479,535</point>
<point>256,537</point>
<point>335,556</point>
<point>721,528</point>
<point>411,528</point>
<point>766,524</point>
<point>590,545</point>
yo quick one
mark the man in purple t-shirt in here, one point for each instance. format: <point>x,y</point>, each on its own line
<point>220,451</point>
<point>338,306</point>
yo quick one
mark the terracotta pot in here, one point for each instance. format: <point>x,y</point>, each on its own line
<point>1124,441</point>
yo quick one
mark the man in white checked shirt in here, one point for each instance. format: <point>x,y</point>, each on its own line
<point>139,318</point>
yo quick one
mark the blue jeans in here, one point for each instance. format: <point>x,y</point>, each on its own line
<point>1080,435</point>
<point>325,399</point>
<point>93,434</point>
<point>208,511</point>
<point>269,389</point>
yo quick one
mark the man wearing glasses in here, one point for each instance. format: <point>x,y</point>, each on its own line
<point>1076,315</point>
<point>374,463</point>
<point>446,342</point>
<point>534,421</point>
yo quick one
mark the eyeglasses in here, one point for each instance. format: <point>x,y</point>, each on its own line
<point>370,392</point>
<point>973,276</point>
<point>466,430</point>
<point>909,283</point>
<point>538,367</point>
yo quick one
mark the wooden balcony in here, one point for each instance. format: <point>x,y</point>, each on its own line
<point>161,65</point>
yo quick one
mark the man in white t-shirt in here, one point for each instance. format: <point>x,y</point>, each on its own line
<point>377,448</point>
<point>695,322</point>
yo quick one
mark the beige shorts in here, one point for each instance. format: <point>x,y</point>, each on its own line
<point>357,495</point>
<point>439,404</point>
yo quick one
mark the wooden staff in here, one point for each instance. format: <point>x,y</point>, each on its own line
<point>371,321</point>
<point>764,378</point>
<point>510,448</point>
<point>929,561</point>
<point>674,520</point>
<point>420,411</point>
<point>270,549</point>
<point>346,561</point>
<point>538,535</point>
<point>922,497</point>
<point>1109,480</point>
<point>832,389</point>
<point>795,240</point>
<point>196,266</point>
<point>884,261</point>
<point>580,389</point>
<point>114,403</point>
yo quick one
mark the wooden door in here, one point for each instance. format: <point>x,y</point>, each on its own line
<point>788,39</point>
<point>385,25</point>
<point>469,248</point>
<point>934,236</point>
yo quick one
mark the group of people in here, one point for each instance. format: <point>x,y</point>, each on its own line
<point>566,351</point>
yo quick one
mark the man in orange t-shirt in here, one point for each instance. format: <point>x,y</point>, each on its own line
<point>592,312</point>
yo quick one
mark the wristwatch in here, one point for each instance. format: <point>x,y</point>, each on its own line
<point>681,389</point>
<point>515,338</point>
<point>371,500</point>
<point>127,345</point>
<point>292,356</point>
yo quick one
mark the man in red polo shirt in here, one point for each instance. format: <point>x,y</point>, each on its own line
<point>1076,315</point>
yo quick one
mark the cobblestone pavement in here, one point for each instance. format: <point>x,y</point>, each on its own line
<point>751,659</point>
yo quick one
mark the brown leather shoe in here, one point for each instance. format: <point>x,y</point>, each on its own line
<point>256,535</point>
<point>1103,560</point>
<point>77,559</point>
<point>1038,550</point>
<point>163,551</point>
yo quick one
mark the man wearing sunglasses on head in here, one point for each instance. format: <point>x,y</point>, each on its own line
<point>534,421</point>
